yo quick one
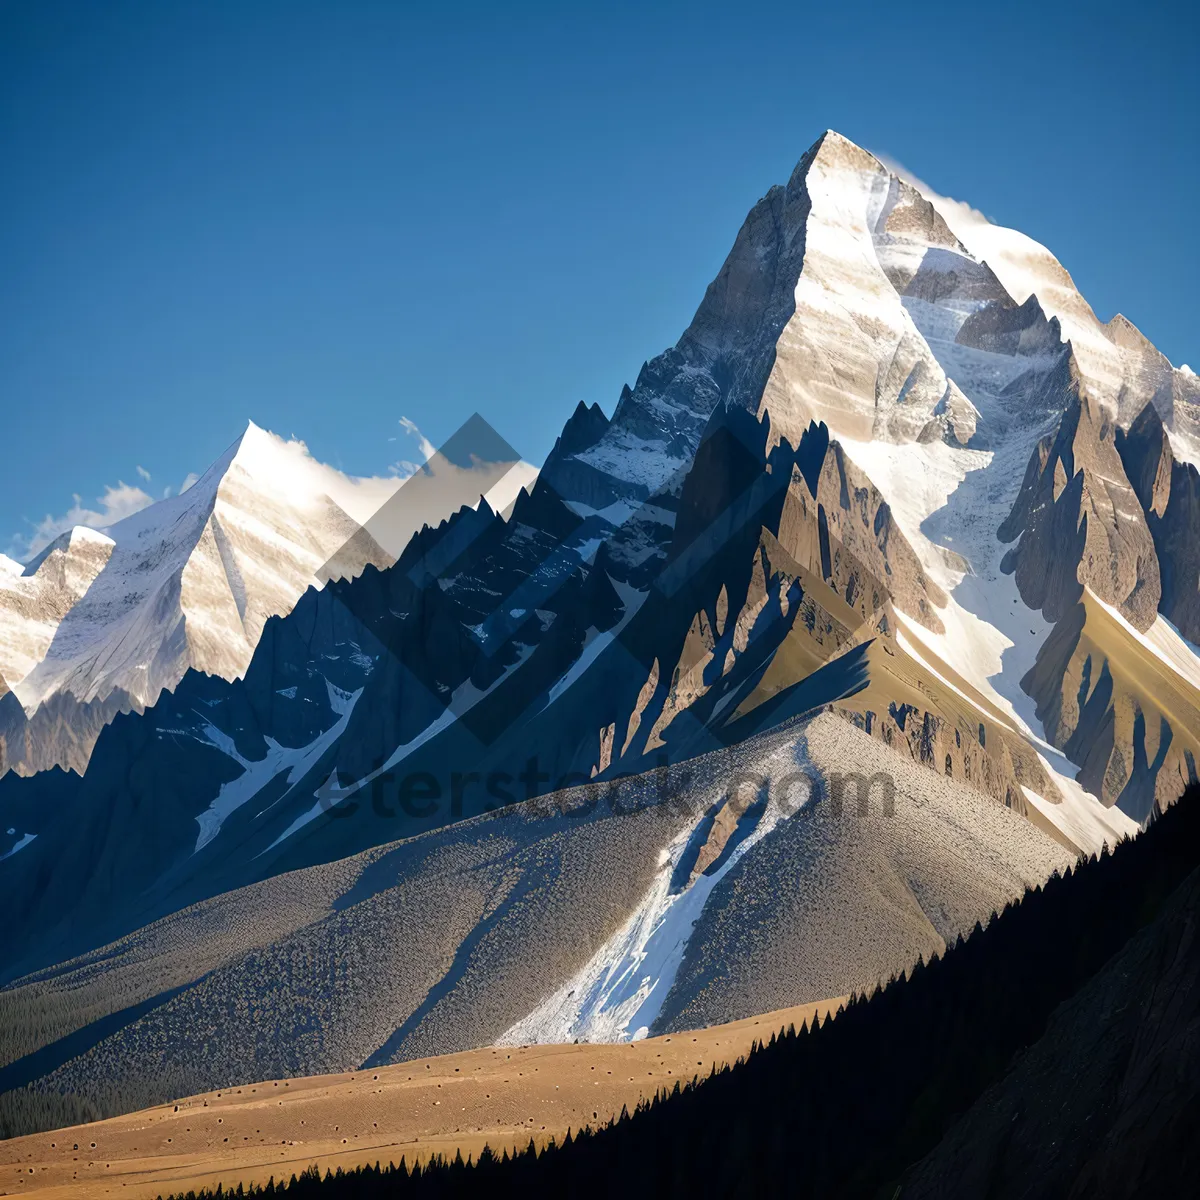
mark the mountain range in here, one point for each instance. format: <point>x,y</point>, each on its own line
<point>103,621</point>
<point>305,772</point>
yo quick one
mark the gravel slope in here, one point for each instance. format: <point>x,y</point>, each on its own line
<point>847,900</point>
<point>445,942</point>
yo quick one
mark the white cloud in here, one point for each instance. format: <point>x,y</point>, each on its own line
<point>403,468</point>
<point>954,212</point>
<point>188,480</point>
<point>144,474</point>
<point>291,470</point>
<point>428,449</point>
<point>117,503</point>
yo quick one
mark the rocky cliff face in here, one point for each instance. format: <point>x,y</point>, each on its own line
<point>1123,704</point>
<point>723,357</point>
<point>1106,529</point>
<point>794,509</point>
<point>1169,492</point>
<point>1081,524</point>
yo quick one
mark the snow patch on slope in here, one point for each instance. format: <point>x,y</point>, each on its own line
<point>644,463</point>
<point>618,994</point>
<point>1161,640</point>
<point>332,792</point>
<point>20,844</point>
<point>257,774</point>
<point>597,642</point>
<point>991,637</point>
<point>1081,817</point>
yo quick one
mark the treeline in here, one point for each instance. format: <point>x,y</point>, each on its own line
<point>38,1014</point>
<point>27,1110</point>
<point>842,1109</point>
<point>30,1104</point>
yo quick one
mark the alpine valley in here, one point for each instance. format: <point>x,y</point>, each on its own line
<point>873,604</point>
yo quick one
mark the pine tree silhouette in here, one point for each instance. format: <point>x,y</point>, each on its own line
<point>843,1106</point>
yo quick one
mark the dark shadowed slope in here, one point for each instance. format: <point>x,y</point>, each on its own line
<point>721,889</point>
<point>844,1109</point>
<point>815,472</point>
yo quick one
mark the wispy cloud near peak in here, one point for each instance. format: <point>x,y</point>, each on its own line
<point>117,502</point>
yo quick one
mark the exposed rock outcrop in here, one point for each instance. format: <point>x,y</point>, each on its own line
<point>1169,491</point>
<point>848,511</point>
<point>1080,523</point>
<point>1008,328</point>
<point>1125,706</point>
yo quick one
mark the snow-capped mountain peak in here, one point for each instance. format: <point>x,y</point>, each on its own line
<point>104,620</point>
<point>113,617</point>
<point>287,469</point>
<point>883,477</point>
<point>1120,365</point>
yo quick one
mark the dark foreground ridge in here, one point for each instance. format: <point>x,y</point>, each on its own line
<point>851,1107</point>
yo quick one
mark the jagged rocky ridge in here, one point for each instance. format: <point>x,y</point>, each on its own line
<point>103,622</point>
<point>1104,516</point>
<point>794,509</point>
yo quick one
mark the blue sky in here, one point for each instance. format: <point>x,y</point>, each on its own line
<point>325,217</point>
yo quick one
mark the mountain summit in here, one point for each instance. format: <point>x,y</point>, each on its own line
<point>102,622</point>
<point>873,603</point>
